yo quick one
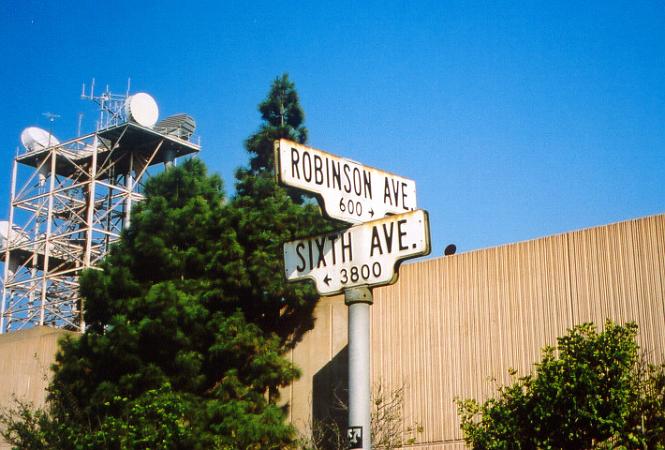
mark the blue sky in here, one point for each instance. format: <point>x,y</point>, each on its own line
<point>517,120</point>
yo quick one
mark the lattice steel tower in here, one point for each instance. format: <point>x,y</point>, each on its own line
<point>70,200</point>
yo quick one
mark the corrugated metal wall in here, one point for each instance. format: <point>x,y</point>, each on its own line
<point>454,326</point>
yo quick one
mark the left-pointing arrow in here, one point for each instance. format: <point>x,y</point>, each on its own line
<point>327,279</point>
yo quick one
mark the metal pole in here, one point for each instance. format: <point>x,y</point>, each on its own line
<point>89,218</point>
<point>47,239</point>
<point>169,157</point>
<point>90,207</point>
<point>129,185</point>
<point>359,300</point>
<point>10,227</point>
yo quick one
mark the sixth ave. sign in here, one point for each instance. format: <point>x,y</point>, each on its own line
<point>366,254</point>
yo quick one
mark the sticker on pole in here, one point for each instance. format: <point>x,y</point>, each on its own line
<point>355,437</point>
<point>348,191</point>
<point>363,255</point>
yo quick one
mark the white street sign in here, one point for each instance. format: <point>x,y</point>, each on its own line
<point>366,254</point>
<point>348,190</point>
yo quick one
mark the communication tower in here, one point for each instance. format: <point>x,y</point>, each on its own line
<point>70,200</point>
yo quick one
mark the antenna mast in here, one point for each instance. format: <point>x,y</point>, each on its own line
<point>111,105</point>
<point>51,118</point>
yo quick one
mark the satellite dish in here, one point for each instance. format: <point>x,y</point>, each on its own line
<point>34,138</point>
<point>179,125</point>
<point>4,232</point>
<point>142,109</point>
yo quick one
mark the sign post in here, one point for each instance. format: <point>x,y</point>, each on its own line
<point>359,299</point>
<point>357,258</point>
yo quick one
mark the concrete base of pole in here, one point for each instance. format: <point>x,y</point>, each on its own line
<point>359,300</point>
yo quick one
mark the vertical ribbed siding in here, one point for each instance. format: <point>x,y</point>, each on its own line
<point>454,326</point>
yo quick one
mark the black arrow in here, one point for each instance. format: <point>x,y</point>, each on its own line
<point>371,213</point>
<point>327,279</point>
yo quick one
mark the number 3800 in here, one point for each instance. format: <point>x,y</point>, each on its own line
<point>357,273</point>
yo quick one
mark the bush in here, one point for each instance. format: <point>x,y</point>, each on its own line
<point>592,391</point>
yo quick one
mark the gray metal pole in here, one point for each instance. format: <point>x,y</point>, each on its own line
<point>169,158</point>
<point>359,300</point>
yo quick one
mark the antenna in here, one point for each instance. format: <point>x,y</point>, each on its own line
<point>110,105</point>
<point>70,200</point>
<point>78,128</point>
<point>51,118</point>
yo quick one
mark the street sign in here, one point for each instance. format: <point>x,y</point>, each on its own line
<point>348,191</point>
<point>363,255</point>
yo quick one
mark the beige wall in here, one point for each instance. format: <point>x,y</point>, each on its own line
<point>452,324</point>
<point>25,361</point>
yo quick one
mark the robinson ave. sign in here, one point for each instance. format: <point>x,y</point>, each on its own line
<point>348,190</point>
<point>366,254</point>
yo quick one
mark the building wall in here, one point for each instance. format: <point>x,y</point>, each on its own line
<point>454,326</point>
<point>449,326</point>
<point>25,361</point>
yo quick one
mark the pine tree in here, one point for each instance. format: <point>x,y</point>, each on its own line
<point>268,215</point>
<point>283,118</point>
<point>165,327</point>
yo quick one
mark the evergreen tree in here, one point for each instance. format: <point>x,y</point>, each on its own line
<point>269,215</point>
<point>283,117</point>
<point>168,359</point>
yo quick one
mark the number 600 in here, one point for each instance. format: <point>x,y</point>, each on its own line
<point>351,207</point>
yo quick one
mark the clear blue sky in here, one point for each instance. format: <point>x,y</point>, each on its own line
<point>517,120</point>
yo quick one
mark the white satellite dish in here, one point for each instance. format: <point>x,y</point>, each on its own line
<point>34,138</point>
<point>142,109</point>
